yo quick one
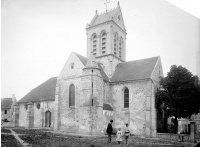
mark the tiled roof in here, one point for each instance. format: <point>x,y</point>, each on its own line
<point>6,103</point>
<point>107,107</point>
<point>134,70</point>
<point>45,91</point>
<point>103,17</point>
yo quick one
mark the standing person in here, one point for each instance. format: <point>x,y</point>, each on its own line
<point>119,136</point>
<point>109,131</point>
<point>126,134</point>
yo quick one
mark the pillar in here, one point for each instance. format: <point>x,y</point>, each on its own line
<point>30,115</point>
<point>192,131</point>
<point>16,115</point>
<point>57,122</point>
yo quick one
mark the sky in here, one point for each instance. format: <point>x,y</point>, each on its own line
<point>37,37</point>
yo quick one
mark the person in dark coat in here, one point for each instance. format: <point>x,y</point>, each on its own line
<point>109,131</point>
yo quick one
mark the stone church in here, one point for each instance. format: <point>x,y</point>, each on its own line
<point>89,91</point>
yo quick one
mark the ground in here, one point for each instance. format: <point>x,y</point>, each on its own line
<point>18,137</point>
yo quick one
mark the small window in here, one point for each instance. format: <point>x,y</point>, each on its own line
<point>5,111</point>
<point>72,66</point>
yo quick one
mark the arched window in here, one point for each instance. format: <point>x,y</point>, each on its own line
<point>115,43</point>
<point>126,98</point>
<point>120,47</point>
<point>72,95</point>
<point>103,42</point>
<point>94,44</point>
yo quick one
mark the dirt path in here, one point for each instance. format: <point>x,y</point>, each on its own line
<point>24,144</point>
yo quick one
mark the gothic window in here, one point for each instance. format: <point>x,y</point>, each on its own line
<point>126,98</point>
<point>71,95</point>
<point>5,111</point>
<point>115,43</point>
<point>120,47</point>
<point>94,44</point>
<point>103,42</point>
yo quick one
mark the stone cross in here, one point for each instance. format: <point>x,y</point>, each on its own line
<point>106,3</point>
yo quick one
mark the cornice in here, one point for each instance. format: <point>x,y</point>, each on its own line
<point>109,55</point>
<point>104,23</point>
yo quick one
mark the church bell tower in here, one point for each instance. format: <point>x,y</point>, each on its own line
<point>106,39</point>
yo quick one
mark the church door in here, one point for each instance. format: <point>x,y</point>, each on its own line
<point>48,119</point>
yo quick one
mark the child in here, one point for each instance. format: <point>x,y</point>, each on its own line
<point>126,134</point>
<point>119,136</point>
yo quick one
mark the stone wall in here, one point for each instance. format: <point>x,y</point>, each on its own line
<point>37,115</point>
<point>109,62</point>
<point>69,72</point>
<point>139,115</point>
<point>23,115</point>
<point>34,117</point>
<point>7,116</point>
<point>68,115</point>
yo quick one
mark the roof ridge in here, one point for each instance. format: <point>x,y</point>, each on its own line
<point>140,59</point>
<point>42,83</point>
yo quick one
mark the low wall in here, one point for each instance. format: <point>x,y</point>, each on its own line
<point>174,137</point>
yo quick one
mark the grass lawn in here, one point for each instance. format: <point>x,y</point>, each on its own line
<point>29,131</point>
<point>9,141</point>
<point>5,130</point>
<point>42,138</point>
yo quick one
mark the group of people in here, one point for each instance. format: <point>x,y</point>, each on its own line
<point>119,133</point>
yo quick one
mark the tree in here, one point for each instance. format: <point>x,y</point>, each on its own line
<point>179,93</point>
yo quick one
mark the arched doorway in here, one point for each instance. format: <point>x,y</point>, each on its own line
<point>48,119</point>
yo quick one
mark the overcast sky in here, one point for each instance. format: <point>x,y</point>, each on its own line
<point>37,37</point>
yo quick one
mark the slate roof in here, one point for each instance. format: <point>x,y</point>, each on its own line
<point>134,70</point>
<point>83,59</point>
<point>45,91</point>
<point>6,103</point>
<point>103,17</point>
<point>107,106</point>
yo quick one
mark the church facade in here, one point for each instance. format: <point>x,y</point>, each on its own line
<point>92,90</point>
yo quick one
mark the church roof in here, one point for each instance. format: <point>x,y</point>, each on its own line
<point>134,70</point>
<point>6,103</point>
<point>107,16</point>
<point>45,91</point>
<point>83,59</point>
<point>103,17</point>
